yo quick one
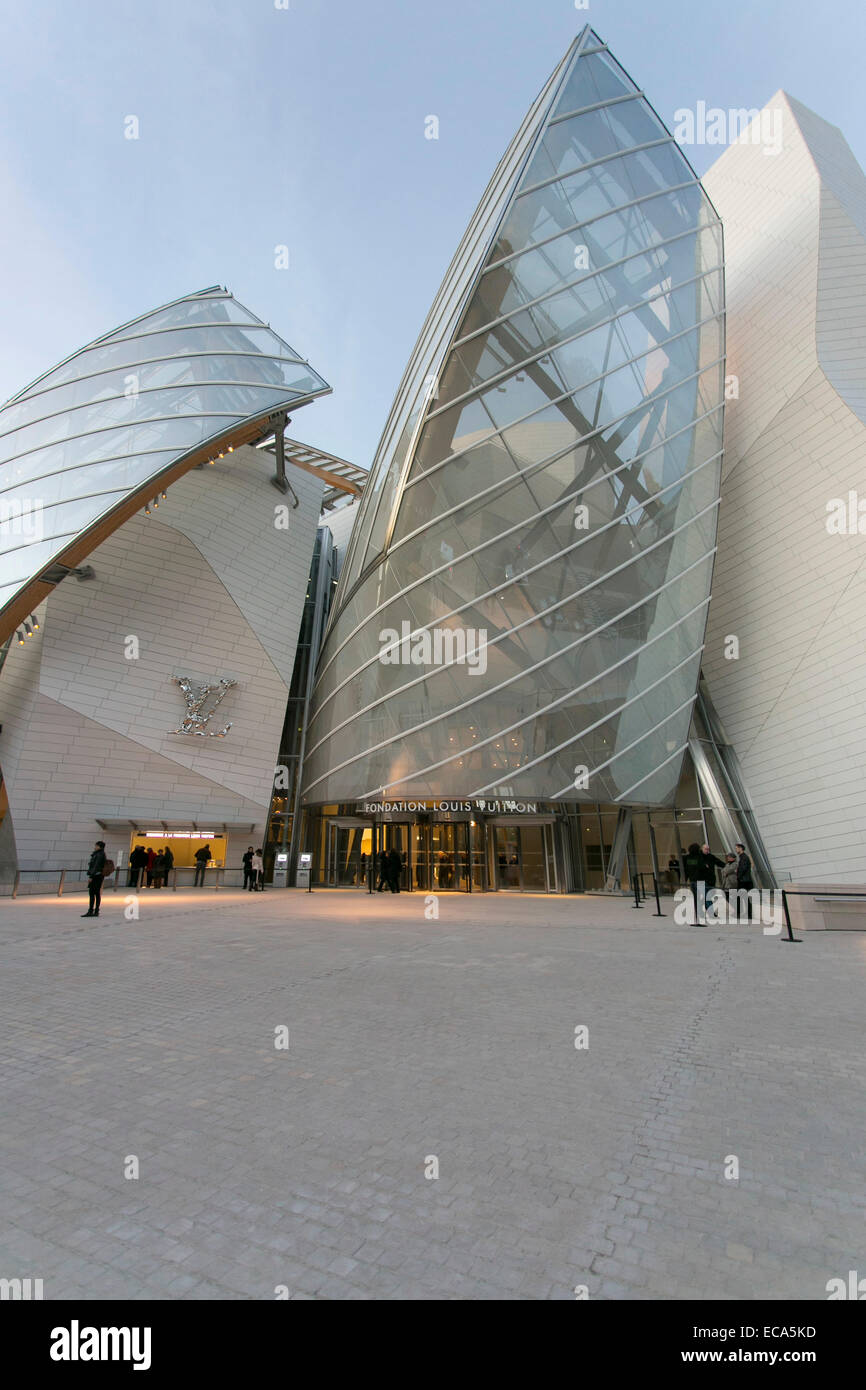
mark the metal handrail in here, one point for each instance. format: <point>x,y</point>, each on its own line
<point>80,874</point>
<point>817,895</point>
<point>56,878</point>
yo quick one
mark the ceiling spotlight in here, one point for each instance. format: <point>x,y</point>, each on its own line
<point>147,510</point>
<point>35,622</point>
<point>231,448</point>
<point>163,495</point>
<point>28,629</point>
<point>211,462</point>
<point>20,635</point>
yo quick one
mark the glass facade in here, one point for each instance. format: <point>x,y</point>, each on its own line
<point>524,602</point>
<point>109,421</point>
<point>541,846</point>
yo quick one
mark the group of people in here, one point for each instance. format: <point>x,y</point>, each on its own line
<point>390,871</point>
<point>254,871</point>
<point>155,864</point>
<point>392,864</point>
<point>151,867</point>
<point>700,864</point>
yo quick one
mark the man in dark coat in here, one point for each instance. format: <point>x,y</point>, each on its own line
<point>693,863</point>
<point>384,870</point>
<point>395,870</point>
<point>711,863</point>
<point>203,857</point>
<point>744,877</point>
<point>249,876</point>
<point>137,862</point>
<point>95,870</point>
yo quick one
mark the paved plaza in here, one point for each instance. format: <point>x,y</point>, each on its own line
<point>263,1168</point>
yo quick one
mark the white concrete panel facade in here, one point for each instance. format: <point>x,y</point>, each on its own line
<point>210,587</point>
<point>789,590</point>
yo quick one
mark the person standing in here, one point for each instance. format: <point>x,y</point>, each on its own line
<point>729,873</point>
<point>151,860</point>
<point>137,862</point>
<point>693,863</point>
<point>258,867</point>
<point>203,857</point>
<point>95,870</point>
<point>169,863</point>
<point>744,878</point>
<point>395,869</point>
<point>247,861</point>
<point>159,869</point>
<point>384,870</point>
<point>711,863</point>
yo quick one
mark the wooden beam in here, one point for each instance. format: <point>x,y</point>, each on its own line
<point>332,479</point>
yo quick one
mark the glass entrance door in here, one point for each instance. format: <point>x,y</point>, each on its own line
<point>397,837</point>
<point>442,857</point>
<point>524,858</point>
<point>508,858</point>
<point>449,857</point>
<point>347,854</point>
<point>533,867</point>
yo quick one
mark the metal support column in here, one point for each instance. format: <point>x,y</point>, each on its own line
<point>279,480</point>
<point>323,581</point>
<point>613,878</point>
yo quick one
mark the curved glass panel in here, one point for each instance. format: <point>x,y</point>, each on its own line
<point>121,411</point>
<point>531,577</point>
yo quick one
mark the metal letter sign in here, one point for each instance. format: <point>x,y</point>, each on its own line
<point>197,693</point>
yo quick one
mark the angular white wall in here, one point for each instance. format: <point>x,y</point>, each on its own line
<point>794,702</point>
<point>211,588</point>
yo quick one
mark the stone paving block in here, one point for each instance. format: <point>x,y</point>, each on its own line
<point>409,1038</point>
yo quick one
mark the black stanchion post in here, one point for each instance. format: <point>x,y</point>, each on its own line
<point>795,940</point>
<point>655,858</point>
<point>658,912</point>
<point>634,883</point>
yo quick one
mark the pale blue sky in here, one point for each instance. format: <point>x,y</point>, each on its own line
<point>305,127</point>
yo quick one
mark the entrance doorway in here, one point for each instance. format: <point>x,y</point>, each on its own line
<point>184,845</point>
<point>397,836</point>
<point>442,857</point>
<point>524,859</point>
<point>347,854</point>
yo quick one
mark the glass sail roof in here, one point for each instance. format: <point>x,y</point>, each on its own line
<point>105,424</point>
